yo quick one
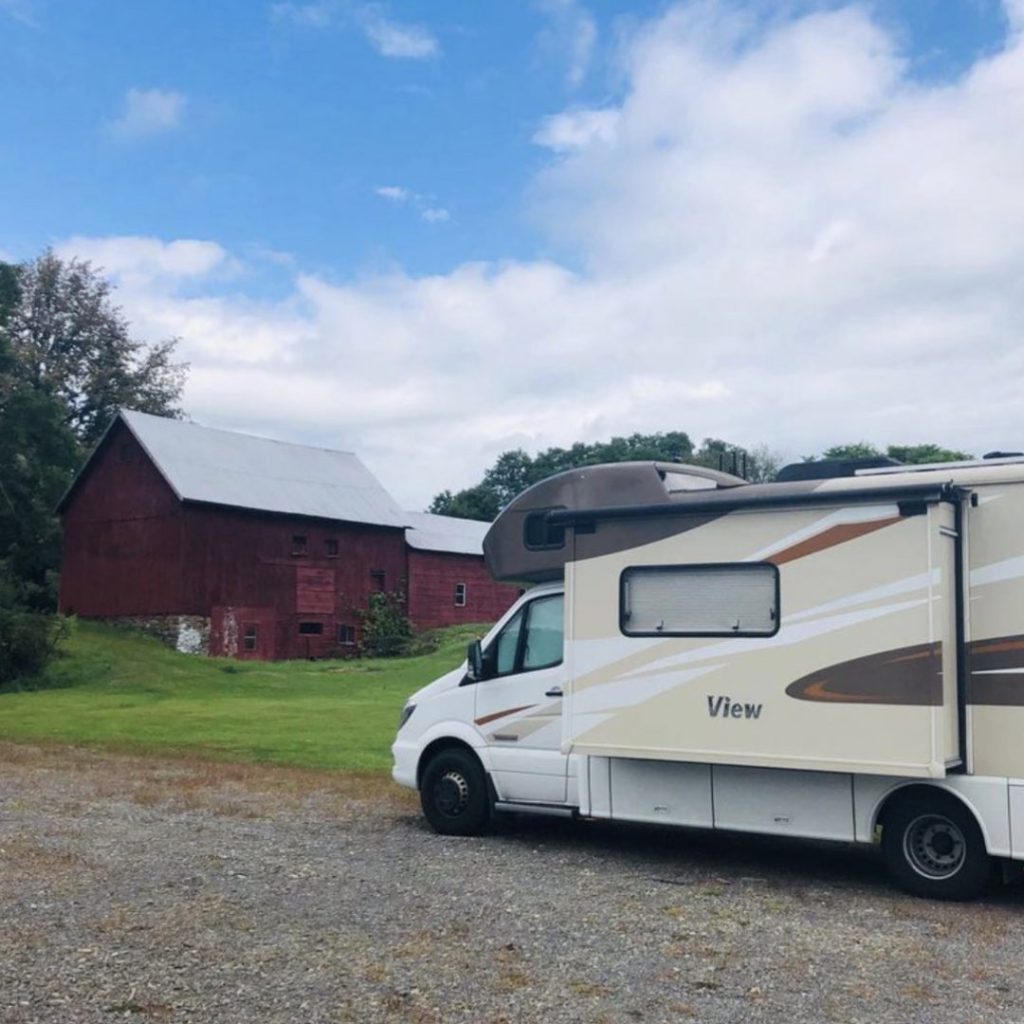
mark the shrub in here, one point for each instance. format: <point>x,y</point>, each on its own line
<point>387,632</point>
<point>28,640</point>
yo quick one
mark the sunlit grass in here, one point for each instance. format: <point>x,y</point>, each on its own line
<point>120,690</point>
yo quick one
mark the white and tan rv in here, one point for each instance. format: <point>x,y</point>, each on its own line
<point>828,656</point>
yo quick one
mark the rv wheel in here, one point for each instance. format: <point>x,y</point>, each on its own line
<point>454,793</point>
<point>933,846</point>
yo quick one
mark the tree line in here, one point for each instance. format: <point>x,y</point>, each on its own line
<point>68,362</point>
<point>515,470</point>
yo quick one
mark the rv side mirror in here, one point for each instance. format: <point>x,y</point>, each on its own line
<point>475,661</point>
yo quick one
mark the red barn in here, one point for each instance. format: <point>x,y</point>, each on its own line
<point>237,545</point>
<point>448,581</point>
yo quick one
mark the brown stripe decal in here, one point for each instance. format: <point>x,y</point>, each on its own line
<point>1000,654</point>
<point>501,714</point>
<point>829,539</point>
<point>907,675</point>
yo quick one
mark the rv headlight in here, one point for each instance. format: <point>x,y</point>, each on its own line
<point>405,715</point>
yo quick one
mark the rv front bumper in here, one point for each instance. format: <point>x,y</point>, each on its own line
<point>406,756</point>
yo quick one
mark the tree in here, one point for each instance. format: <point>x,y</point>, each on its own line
<point>70,341</point>
<point>921,453</point>
<point>38,455</point>
<point>911,454</point>
<point>857,450</point>
<point>387,631</point>
<point>478,502</point>
<point>515,470</point>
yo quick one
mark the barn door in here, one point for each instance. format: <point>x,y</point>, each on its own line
<point>243,632</point>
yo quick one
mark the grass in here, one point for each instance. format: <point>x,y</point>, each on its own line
<point>123,691</point>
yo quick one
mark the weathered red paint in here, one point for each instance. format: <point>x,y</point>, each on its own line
<point>133,549</point>
<point>433,576</point>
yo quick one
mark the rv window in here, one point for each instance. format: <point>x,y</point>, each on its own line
<point>539,534</point>
<point>740,599</point>
<point>543,645</point>
<point>506,646</point>
<point>525,648</point>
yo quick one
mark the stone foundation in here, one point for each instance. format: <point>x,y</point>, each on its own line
<point>189,634</point>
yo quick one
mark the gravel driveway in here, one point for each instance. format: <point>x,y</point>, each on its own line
<point>172,890</point>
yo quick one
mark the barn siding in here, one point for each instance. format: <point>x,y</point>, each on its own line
<point>433,576</point>
<point>122,537</point>
<point>244,560</point>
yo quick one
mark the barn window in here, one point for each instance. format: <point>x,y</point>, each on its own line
<point>380,579</point>
<point>460,595</point>
<point>298,544</point>
<point>311,628</point>
<point>331,547</point>
<point>347,635</point>
<point>250,634</point>
<point>126,453</point>
<point>738,599</point>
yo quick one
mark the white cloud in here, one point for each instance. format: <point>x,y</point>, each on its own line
<point>396,39</point>
<point>395,193</point>
<point>571,34</point>
<point>313,15</point>
<point>1014,10</point>
<point>388,37</point>
<point>133,259</point>
<point>148,112</point>
<point>425,205</point>
<point>577,129</point>
<point>783,239</point>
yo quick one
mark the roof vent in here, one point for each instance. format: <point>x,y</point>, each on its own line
<point>826,469</point>
<point>1002,455</point>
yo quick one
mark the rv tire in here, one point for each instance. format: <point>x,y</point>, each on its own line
<point>454,793</point>
<point>933,846</point>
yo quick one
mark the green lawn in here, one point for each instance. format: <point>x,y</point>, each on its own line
<point>120,690</point>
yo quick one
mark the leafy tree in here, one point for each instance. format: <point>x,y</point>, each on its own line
<point>857,450</point>
<point>908,453</point>
<point>387,631</point>
<point>515,470</point>
<point>70,341</point>
<point>920,453</point>
<point>479,502</point>
<point>38,454</point>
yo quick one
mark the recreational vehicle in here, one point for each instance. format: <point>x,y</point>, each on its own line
<point>835,655</point>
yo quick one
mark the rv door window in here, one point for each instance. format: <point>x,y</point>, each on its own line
<point>531,640</point>
<point>739,599</point>
<point>506,647</point>
<point>543,646</point>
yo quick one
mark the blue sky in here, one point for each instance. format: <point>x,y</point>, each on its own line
<point>291,118</point>
<point>294,186</point>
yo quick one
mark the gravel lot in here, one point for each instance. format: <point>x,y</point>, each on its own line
<point>172,890</point>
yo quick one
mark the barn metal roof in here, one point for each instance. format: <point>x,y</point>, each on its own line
<point>429,532</point>
<point>221,467</point>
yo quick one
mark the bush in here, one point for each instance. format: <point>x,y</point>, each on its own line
<point>28,640</point>
<point>387,631</point>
